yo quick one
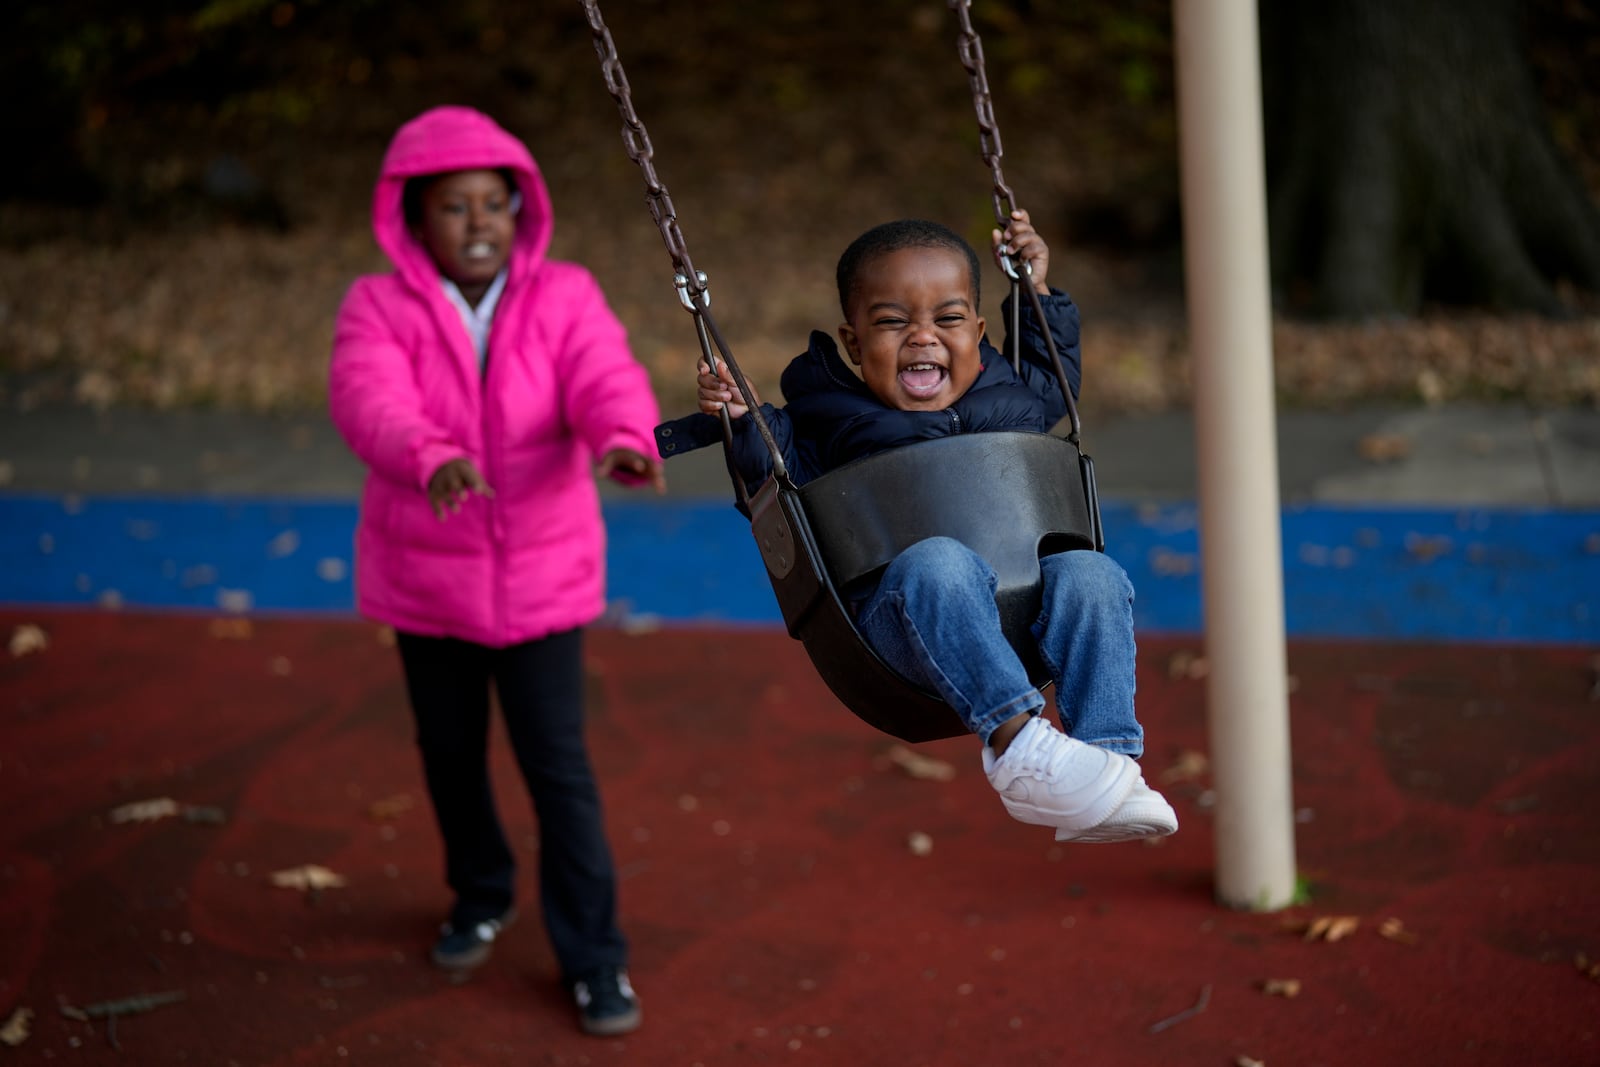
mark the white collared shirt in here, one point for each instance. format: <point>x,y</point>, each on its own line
<point>477,319</point>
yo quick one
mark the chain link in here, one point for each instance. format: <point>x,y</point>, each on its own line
<point>691,284</point>
<point>970,49</point>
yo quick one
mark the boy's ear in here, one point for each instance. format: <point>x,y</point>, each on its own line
<point>852,344</point>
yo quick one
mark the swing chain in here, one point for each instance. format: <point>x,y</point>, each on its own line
<point>690,283</point>
<point>970,49</point>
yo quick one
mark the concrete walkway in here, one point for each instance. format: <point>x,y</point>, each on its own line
<point>1461,455</point>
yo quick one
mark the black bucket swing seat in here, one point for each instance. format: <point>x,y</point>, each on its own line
<point>1010,496</point>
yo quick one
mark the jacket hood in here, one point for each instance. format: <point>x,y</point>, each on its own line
<point>448,139</point>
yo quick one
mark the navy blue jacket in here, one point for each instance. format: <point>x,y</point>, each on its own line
<point>832,417</point>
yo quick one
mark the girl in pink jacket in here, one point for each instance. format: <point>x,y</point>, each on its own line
<point>484,386</point>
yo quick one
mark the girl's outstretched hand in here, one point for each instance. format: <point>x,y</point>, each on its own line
<point>453,484</point>
<point>1024,245</point>
<point>632,468</point>
<point>718,389</point>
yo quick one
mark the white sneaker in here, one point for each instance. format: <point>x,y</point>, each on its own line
<point>1144,813</point>
<point>1048,779</point>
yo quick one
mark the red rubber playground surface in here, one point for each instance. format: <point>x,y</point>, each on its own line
<point>1448,829</point>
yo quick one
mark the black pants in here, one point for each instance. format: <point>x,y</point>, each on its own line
<point>540,685</point>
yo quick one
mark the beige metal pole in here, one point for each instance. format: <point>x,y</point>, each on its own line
<point>1230,333</point>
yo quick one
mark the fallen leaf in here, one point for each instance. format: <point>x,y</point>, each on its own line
<point>1189,765</point>
<point>1185,664</point>
<point>1332,928</point>
<point>28,638</point>
<point>1427,549</point>
<point>1587,967</point>
<point>1430,387</point>
<point>231,629</point>
<point>309,877</point>
<point>15,1030</point>
<point>1384,447</point>
<point>1281,987</point>
<point>391,807</point>
<point>145,810</point>
<point>917,765</point>
<point>1395,930</point>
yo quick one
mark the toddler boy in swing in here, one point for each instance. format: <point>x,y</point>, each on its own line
<point>909,292</point>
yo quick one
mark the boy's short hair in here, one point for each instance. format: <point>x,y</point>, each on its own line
<point>894,236</point>
<point>411,194</point>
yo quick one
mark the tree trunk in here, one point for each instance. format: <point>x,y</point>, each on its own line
<point>1410,160</point>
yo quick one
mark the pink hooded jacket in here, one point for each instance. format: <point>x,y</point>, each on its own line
<point>560,389</point>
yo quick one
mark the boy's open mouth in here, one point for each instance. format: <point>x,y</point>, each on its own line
<point>478,250</point>
<point>923,380</point>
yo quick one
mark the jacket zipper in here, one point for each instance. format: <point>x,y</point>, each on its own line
<point>491,456</point>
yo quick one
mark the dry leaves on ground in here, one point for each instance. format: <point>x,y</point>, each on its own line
<point>309,878</point>
<point>145,810</point>
<point>916,765</point>
<point>231,629</point>
<point>1188,766</point>
<point>1332,928</point>
<point>16,1029</point>
<point>1186,664</point>
<point>391,807</point>
<point>159,808</point>
<point>27,639</point>
<point>1384,447</point>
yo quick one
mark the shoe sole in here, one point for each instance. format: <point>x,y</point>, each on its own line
<point>612,1025</point>
<point>477,956</point>
<point>1154,824</point>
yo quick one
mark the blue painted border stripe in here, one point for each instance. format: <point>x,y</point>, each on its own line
<point>1473,574</point>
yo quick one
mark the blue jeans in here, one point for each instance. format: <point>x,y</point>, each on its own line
<point>933,618</point>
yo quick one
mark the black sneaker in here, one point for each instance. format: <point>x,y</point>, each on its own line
<point>606,1003</point>
<point>465,947</point>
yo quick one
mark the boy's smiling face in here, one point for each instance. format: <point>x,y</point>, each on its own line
<point>467,226</point>
<point>913,328</point>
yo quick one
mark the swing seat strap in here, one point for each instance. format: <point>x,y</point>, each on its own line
<point>677,436</point>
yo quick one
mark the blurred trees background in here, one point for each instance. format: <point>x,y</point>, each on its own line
<point>1412,156</point>
<point>187,192</point>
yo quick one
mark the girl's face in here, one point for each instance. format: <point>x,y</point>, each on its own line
<point>467,226</point>
<point>913,329</point>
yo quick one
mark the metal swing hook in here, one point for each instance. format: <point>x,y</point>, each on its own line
<point>680,281</point>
